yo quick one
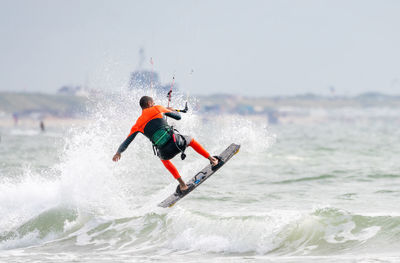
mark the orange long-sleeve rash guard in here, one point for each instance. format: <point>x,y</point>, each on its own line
<point>150,121</point>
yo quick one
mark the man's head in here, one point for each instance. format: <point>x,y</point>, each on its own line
<point>146,102</point>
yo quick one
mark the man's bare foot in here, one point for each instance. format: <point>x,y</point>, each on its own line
<point>182,184</point>
<point>213,160</point>
<point>183,188</point>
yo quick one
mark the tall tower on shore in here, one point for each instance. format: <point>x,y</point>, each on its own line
<point>141,78</point>
<point>142,58</point>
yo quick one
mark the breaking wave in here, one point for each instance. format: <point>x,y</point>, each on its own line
<point>325,231</point>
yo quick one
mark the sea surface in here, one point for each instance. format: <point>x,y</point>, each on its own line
<point>321,190</point>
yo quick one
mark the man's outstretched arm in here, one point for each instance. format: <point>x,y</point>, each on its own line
<point>173,114</point>
<point>123,146</point>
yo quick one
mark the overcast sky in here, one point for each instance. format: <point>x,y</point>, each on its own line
<point>242,47</point>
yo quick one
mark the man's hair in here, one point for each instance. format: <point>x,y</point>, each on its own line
<point>144,101</point>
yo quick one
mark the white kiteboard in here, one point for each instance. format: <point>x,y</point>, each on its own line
<point>201,176</point>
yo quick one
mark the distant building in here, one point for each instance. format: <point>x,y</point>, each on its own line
<point>146,79</point>
<point>73,91</point>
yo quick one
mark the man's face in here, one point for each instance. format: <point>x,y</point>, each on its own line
<point>151,103</point>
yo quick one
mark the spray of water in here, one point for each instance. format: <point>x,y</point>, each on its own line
<point>86,186</point>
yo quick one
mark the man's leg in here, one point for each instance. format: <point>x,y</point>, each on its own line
<point>199,149</point>
<point>172,169</point>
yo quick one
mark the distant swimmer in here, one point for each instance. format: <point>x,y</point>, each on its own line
<point>167,142</point>
<point>42,126</point>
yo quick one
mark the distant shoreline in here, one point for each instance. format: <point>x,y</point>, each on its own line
<point>30,108</point>
<point>49,122</point>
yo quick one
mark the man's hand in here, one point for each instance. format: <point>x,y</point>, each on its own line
<point>116,157</point>
<point>170,108</point>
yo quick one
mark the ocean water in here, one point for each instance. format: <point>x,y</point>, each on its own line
<point>318,191</point>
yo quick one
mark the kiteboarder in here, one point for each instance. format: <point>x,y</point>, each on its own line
<point>167,142</point>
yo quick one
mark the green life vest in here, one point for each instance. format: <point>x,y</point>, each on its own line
<point>161,136</point>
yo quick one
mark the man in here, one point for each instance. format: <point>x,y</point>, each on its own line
<point>166,143</point>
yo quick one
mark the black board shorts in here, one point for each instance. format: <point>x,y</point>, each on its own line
<point>171,149</point>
